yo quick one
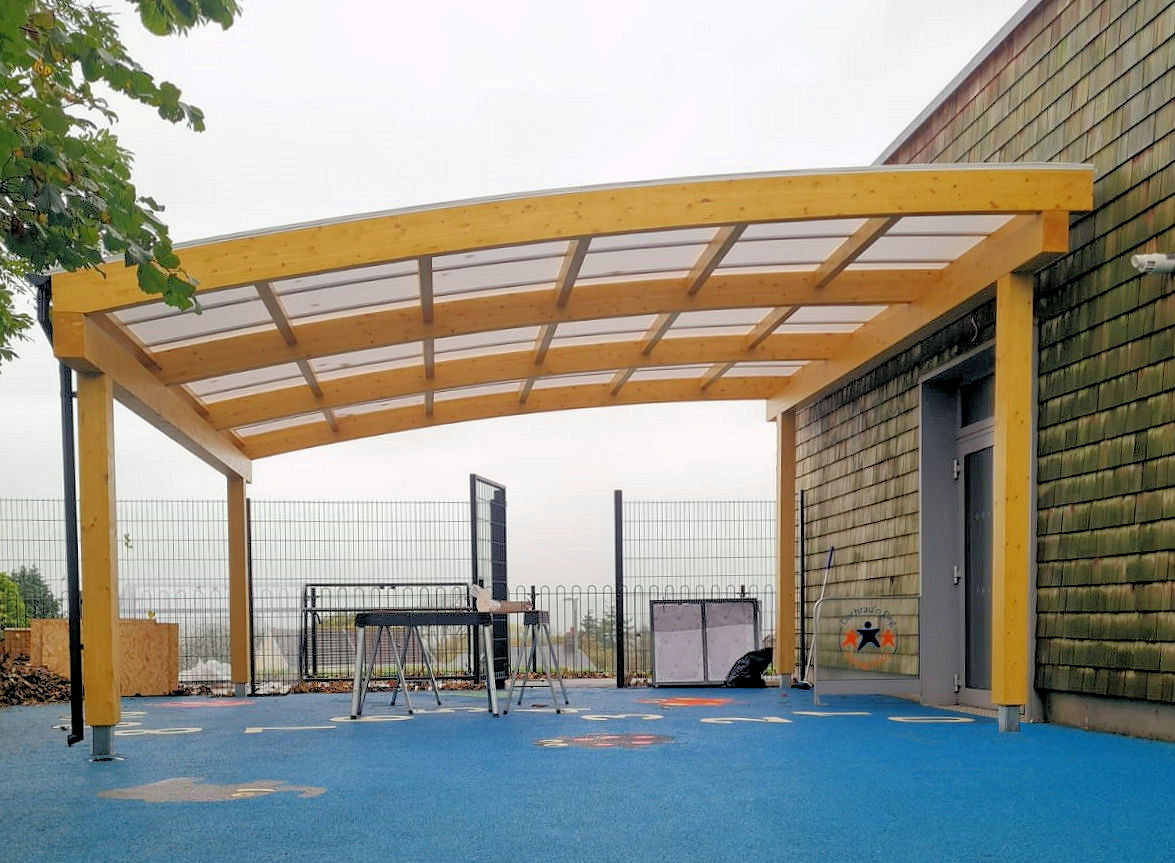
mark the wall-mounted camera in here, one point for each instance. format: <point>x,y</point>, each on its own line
<point>1153,263</point>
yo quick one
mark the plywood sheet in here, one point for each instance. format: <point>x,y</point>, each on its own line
<point>148,660</point>
<point>15,643</point>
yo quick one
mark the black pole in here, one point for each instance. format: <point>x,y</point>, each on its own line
<point>249,583</point>
<point>474,647</point>
<point>534,655</point>
<point>77,722</point>
<point>618,518</point>
<point>803,586</point>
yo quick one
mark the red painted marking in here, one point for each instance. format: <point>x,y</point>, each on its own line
<point>685,701</point>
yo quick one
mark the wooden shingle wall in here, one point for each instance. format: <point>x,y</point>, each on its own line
<point>1077,81</point>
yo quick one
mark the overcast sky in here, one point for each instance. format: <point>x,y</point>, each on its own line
<point>321,108</point>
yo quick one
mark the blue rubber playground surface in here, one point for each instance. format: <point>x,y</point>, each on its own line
<point>635,775</point>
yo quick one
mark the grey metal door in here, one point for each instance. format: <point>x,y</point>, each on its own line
<point>973,468</point>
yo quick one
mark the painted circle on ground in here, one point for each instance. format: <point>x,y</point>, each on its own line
<point>931,720</point>
<point>209,702</point>
<point>685,701</point>
<point>603,741</point>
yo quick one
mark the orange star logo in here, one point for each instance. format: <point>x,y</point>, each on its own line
<point>850,639</point>
<point>887,639</point>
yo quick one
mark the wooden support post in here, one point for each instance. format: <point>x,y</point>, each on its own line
<point>1012,496</point>
<point>785,629</point>
<point>238,586</point>
<point>100,671</point>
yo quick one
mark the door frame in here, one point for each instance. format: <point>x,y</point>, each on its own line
<point>971,439</point>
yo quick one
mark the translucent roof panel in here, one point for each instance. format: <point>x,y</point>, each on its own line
<point>918,249</point>
<point>189,326</point>
<point>647,239</point>
<point>282,424</point>
<point>383,405</point>
<point>605,329</point>
<point>353,362</point>
<point>810,228</point>
<point>748,253</point>
<point>592,379</point>
<point>472,392</point>
<point>721,322</point>
<point>354,276</point>
<point>835,314</point>
<point>494,341</point>
<point>510,274</point>
<point>226,386</point>
<point>763,370</point>
<point>662,373</point>
<point>505,253</point>
<point>210,300</point>
<point>345,298</point>
<point>947,225</point>
<point>634,262</point>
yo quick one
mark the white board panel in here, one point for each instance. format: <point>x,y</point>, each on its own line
<point>730,632</point>
<point>677,642</point>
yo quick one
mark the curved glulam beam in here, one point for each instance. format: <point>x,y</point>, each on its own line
<point>394,236</point>
<point>514,366</point>
<point>529,308</point>
<point>503,404</point>
<point>1023,245</point>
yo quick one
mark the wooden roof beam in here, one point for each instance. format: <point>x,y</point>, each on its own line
<point>449,411</point>
<point>516,366</point>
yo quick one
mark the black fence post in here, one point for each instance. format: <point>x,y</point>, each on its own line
<point>803,592</point>
<point>618,504</point>
<point>534,656</point>
<point>249,585</point>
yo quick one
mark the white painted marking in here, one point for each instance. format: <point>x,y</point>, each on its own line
<point>128,724</point>
<point>605,717</point>
<point>726,720</point>
<point>547,710</point>
<point>931,720</point>
<point>831,713</point>
<point>139,732</point>
<point>258,729</point>
<point>379,717</point>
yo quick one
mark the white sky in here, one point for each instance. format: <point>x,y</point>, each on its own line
<point>321,108</point>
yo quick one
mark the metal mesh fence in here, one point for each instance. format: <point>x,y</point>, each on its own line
<point>338,557</point>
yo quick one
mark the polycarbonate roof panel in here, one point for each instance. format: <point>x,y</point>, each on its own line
<point>343,298</point>
<point>591,379</point>
<point>811,228</point>
<point>763,370</point>
<point>385,404</point>
<point>355,361</point>
<point>946,225</point>
<point>918,249</point>
<point>210,300</point>
<point>786,252</point>
<point>481,390</point>
<point>226,385</point>
<point>666,373</point>
<point>720,318</point>
<point>540,271</point>
<point>835,314</point>
<point>622,262</point>
<point>486,342</point>
<point>354,276</point>
<point>505,253</point>
<point>603,330</point>
<point>646,239</point>
<point>281,424</point>
<point>189,326</point>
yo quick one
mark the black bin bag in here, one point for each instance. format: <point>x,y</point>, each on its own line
<point>747,671</point>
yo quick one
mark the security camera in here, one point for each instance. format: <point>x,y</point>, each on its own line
<point>1153,263</point>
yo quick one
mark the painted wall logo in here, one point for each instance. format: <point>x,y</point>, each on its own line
<point>868,637</point>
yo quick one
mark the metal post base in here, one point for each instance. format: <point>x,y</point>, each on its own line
<point>240,690</point>
<point>784,684</point>
<point>102,743</point>
<point>1009,715</point>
